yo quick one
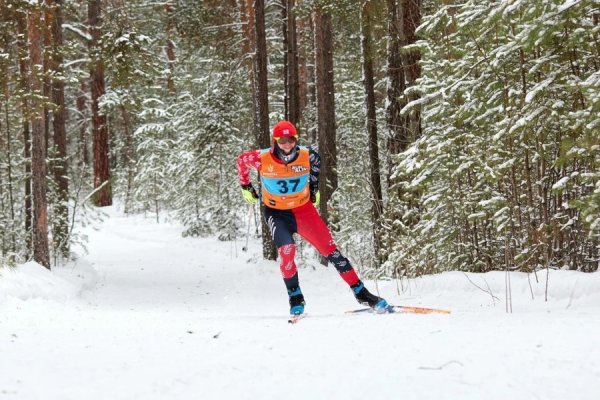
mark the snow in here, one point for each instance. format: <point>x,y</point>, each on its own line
<point>568,4</point>
<point>79,31</point>
<point>148,314</point>
<point>561,184</point>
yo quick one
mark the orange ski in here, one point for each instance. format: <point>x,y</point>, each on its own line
<point>403,309</point>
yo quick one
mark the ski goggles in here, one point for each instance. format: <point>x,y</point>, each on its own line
<point>286,139</point>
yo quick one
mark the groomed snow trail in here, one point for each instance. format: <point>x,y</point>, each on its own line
<point>147,314</point>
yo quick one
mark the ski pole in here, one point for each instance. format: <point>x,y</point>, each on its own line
<point>245,248</point>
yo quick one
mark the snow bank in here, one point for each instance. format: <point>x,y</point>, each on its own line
<point>32,281</point>
<point>565,289</point>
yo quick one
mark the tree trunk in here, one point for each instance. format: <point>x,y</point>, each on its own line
<point>411,19</point>
<point>46,54</point>
<point>262,109</point>
<point>102,184</point>
<point>60,233</point>
<point>260,72</point>
<point>170,47</point>
<point>371,124</point>
<point>82,122</point>
<point>301,43</point>
<point>128,156</point>
<point>328,181</point>
<point>38,157</point>
<point>290,44</point>
<point>248,25</point>
<point>24,85</point>
<point>397,125</point>
<point>11,232</point>
<point>248,50</point>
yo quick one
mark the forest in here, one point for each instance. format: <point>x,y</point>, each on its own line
<point>455,135</point>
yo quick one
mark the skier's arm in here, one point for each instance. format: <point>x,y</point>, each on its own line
<point>245,161</point>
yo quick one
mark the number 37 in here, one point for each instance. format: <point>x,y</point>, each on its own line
<point>284,186</point>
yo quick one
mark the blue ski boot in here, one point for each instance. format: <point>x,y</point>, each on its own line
<point>363,296</point>
<point>296,302</point>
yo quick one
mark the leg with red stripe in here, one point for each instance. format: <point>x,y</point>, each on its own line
<point>348,274</point>
<point>290,278</point>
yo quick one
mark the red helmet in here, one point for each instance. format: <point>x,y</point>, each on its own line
<point>284,129</point>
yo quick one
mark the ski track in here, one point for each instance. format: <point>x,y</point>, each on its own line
<point>166,317</point>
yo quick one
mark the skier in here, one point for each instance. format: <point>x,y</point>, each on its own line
<point>289,176</point>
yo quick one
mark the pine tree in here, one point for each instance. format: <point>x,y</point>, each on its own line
<point>60,221</point>
<point>102,180</point>
<point>506,165</point>
<point>371,124</point>
<point>326,126</point>
<point>38,142</point>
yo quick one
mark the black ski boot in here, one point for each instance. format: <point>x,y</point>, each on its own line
<point>363,296</point>
<point>296,302</point>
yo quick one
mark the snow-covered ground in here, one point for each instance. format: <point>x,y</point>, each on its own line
<point>147,314</point>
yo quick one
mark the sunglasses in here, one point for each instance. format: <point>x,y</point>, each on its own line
<point>286,139</point>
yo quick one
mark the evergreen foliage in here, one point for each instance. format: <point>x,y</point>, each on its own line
<point>504,176</point>
<point>506,171</point>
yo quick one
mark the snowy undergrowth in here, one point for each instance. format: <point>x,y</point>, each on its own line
<point>546,288</point>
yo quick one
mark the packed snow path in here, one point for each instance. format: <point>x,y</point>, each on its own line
<point>147,314</point>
